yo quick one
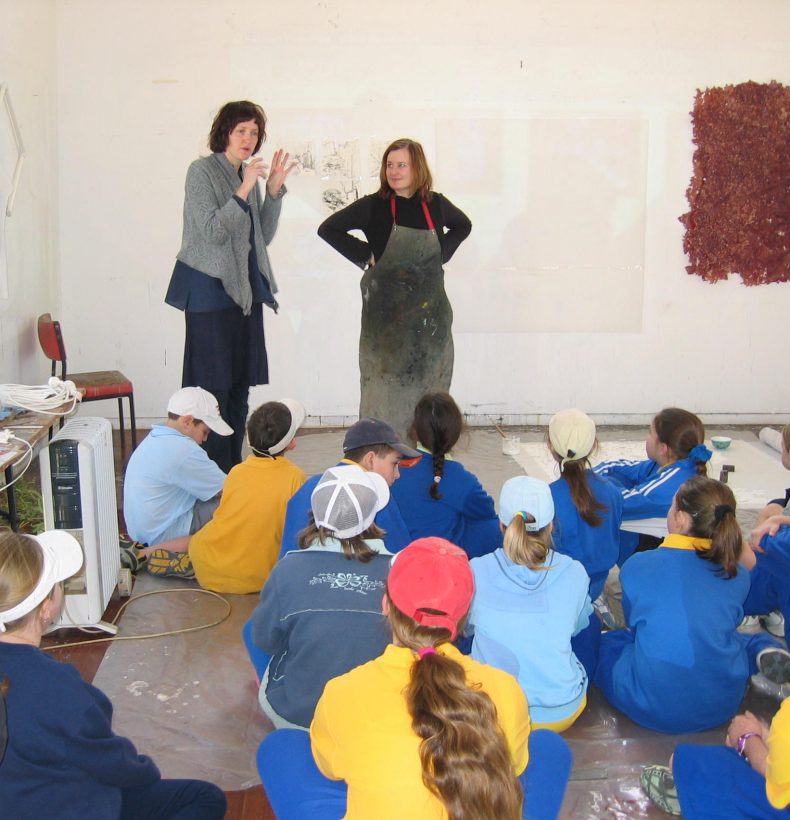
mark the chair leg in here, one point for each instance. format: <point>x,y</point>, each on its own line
<point>120,424</point>
<point>134,423</point>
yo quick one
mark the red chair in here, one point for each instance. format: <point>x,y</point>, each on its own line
<point>96,386</point>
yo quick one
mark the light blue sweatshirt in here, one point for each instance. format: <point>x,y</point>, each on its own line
<point>523,621</point>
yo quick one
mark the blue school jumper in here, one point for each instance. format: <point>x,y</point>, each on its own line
<point>680,666</point>
<point>647,491</point>
<point>396,533</point>
<point>464,515</point>
<point>596,548</point>
<point>771,577</point>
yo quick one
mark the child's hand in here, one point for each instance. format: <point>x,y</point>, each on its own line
<point>741,724</point>
<point>769,527</point>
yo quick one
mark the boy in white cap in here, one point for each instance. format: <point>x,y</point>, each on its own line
<point>171,487</point>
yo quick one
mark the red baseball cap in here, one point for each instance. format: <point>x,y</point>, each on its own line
<point>432,574</point>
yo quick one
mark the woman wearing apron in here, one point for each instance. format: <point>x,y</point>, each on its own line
<point>222,277</point>
<point>406,341</point>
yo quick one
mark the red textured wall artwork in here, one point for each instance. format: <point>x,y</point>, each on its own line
<point>739,220</point>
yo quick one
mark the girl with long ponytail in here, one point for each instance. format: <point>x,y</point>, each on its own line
<point>437,496</point>
<point>588,508</point>
<point>421,731</point>
<point>681,666</point>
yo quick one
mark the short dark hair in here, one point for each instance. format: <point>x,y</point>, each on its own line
<point>358,453</point>
<point>228,117</point>
<point>268,425</point>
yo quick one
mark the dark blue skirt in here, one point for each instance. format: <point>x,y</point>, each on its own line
<point>224,349</point>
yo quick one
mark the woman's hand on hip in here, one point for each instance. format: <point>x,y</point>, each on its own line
<point>279,171</point>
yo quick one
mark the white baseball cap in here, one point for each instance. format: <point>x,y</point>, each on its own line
<point>201,405</point>
<point>347,498</point>
<point>572,434</point>
<point>528,496</point>
<point>62,558</point>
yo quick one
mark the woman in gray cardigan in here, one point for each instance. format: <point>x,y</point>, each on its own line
<point>222,276</point>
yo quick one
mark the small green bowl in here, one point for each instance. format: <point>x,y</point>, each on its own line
<point>721,442</point>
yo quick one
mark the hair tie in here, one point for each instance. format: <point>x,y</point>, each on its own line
<point>426,650</point>
<point>720,510</point>
<point>437,479</point>
<point>700,453</point>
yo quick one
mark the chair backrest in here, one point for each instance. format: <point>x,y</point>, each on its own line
<point>51,340</point>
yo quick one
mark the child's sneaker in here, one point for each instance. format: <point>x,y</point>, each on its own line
<point>131,558</point>
<point>170,564</point>
<point>604,613</point>
<point>773,677</point>
<point>774,624</point>
<point>659,785</point>
<point>751,623</point>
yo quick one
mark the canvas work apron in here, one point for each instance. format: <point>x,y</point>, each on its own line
<point>406,341</point>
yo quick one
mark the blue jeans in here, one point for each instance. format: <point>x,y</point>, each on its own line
<point>298,791</point>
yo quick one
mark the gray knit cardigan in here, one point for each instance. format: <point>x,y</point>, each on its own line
<point>216,239</point>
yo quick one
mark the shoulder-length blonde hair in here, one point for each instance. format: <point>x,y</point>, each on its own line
<point>421,173</point>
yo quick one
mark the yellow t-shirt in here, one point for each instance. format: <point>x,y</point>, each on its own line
<point>236,550</point>
<point>361,733</point>
<point>777,773</point>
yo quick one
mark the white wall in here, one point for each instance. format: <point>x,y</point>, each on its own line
<point>28,247</point>
<point>560,127</point>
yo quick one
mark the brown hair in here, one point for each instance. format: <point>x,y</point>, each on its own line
<point>465,758</point>
<point>354,547</point>
<point>421,173</point>
<point>438,424</point>
<point>21,565</point>
<point>530,549</point>
<point>786,437</point>
<point>268,425</point>
<point>228,117</point>
<point>711,506</point>
<point>575,473</point>
<point>681,431</point>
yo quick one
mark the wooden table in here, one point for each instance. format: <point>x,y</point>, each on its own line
<point>32,428</point>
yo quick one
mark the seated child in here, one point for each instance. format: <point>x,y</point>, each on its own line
<point>747,777</point>
<point>675,452</point>
<point>63,758</point>
<point>422,730</point>
<point>769,595</point>
<point>587,508</point>
<point>529,601</point>
<point>374,446</point>
<point>171,487</point>
<point>437,496</point>
<point>681,666</point>
<point>236,550</point>
<point>320,611</point>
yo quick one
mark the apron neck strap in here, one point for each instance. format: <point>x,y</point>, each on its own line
<point>425,211</point>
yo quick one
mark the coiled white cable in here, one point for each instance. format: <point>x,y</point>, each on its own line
<point>28,454</point>
<point>46,398</point>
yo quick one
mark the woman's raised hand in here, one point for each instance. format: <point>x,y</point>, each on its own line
<point>279,171</point>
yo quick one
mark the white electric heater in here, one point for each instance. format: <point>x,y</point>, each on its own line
<point>78,488</point>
